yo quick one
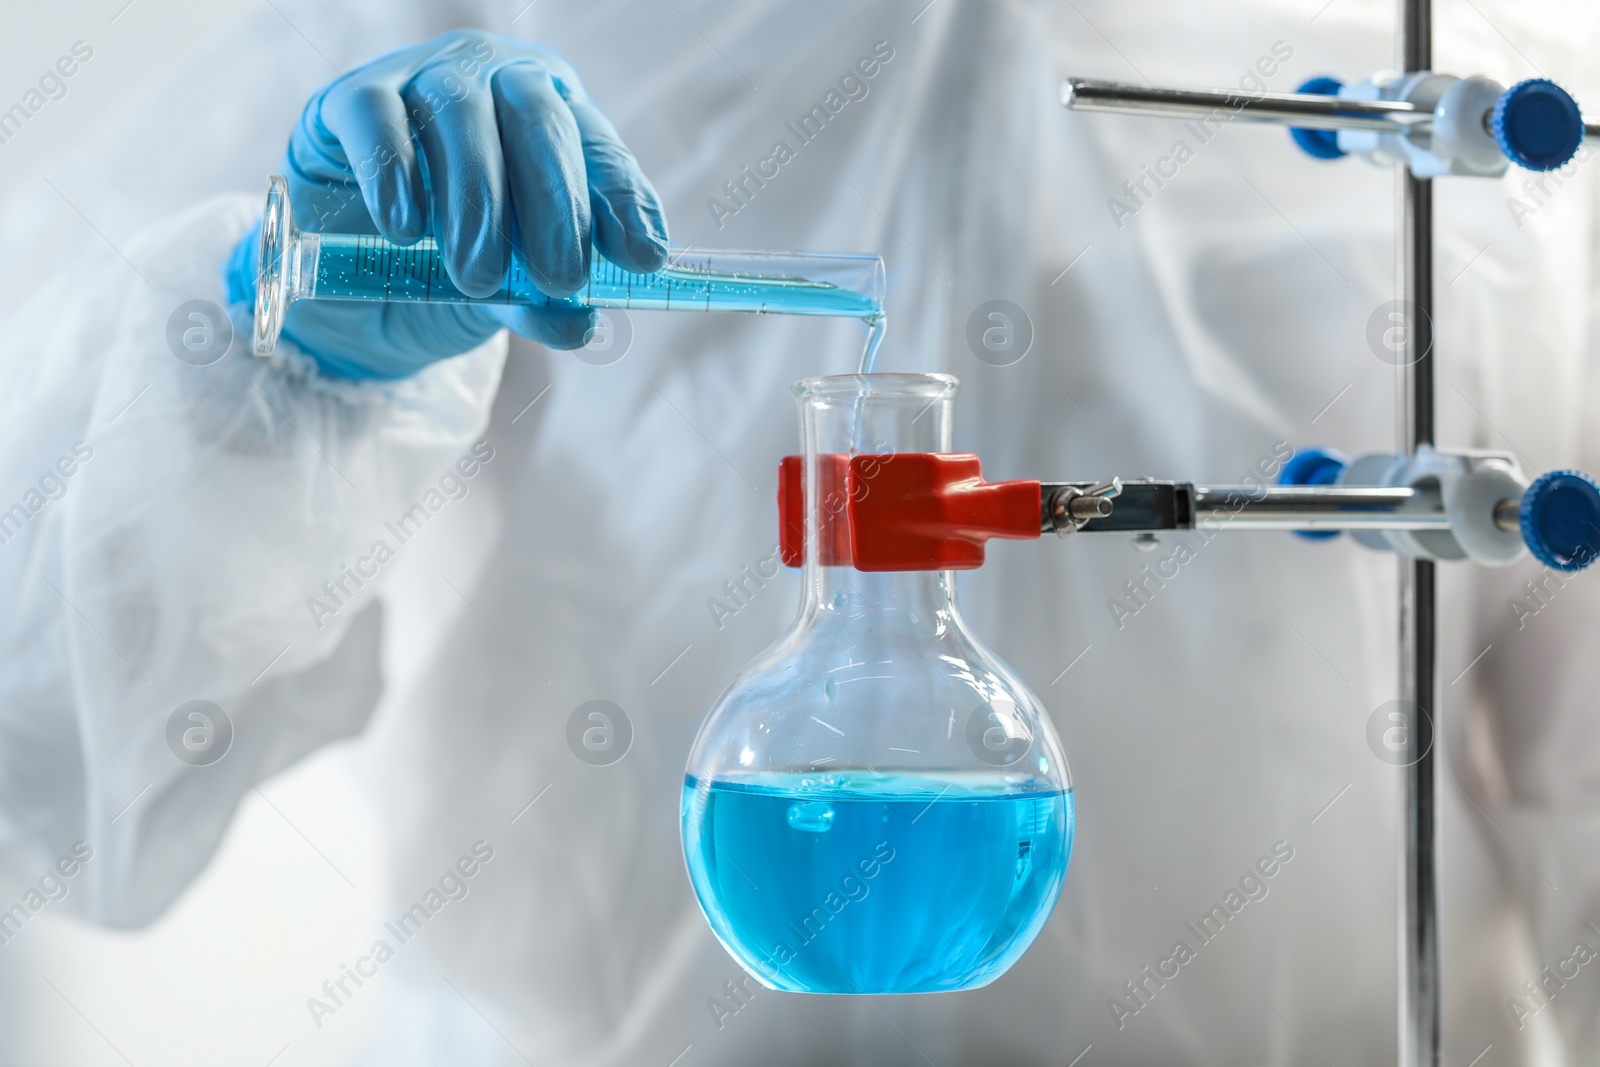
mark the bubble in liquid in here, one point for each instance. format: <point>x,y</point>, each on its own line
<point>812,816</point>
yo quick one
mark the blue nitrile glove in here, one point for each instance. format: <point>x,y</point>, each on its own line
<point>488,144</point>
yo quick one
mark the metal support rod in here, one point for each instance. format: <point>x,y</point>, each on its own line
<point>1317,508</point>
<point>1307,110</point>
<point>1419,1002</point>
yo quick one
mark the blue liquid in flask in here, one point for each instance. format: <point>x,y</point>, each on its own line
<point>856,882</point>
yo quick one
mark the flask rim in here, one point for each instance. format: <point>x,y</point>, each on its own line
<point>836,387</point>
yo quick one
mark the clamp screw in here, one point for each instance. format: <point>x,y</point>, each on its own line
<point>1072,508</point>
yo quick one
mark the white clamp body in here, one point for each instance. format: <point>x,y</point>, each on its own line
<point>1471,485</point>
<point>1457,142</point>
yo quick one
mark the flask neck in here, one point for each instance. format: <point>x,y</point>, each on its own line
<point>914,603</point>
<point>867,415</point>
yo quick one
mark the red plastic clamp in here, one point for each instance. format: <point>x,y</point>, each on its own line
<point>904,511</point>
<point>835,530</point>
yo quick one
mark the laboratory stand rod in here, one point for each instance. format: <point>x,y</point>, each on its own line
<point>1419,1006</point>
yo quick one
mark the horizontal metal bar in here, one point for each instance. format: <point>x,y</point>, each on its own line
<point>1153,505</point>
<point>1310,111</point>
<point>1319,508</point>
<point>1306,110</point>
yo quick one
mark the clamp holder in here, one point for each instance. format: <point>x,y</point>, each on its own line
<point>1437,124</point>
<point>908,511</point>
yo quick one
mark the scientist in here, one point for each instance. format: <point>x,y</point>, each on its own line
<point>614,492</point>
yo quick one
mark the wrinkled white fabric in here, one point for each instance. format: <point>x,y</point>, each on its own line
<point>1229,713</point>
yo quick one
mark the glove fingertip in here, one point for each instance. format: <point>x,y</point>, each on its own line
<point>647,236</point>
<point>649,254</point>
<point>572,330</point>
<point>402,224</point>
<point>632,246</point>
<point>558,328</point>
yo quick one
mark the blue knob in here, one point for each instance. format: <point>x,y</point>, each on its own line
<point>1537,124</point>
<point>1314,466</point>
<point>1560,517</point>
<point>1319,144</point>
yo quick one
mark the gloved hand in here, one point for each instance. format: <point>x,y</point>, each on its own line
<point>490,145</point>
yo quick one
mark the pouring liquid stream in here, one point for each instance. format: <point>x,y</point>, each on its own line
<point>877,325</point>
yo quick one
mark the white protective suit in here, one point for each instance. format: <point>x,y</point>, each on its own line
<point>1227,314</point>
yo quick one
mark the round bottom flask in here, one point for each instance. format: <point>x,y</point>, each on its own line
<point>877,804</point>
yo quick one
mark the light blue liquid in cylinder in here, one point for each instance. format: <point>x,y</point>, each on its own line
<point>363,267</point>
<point>856,882</point>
